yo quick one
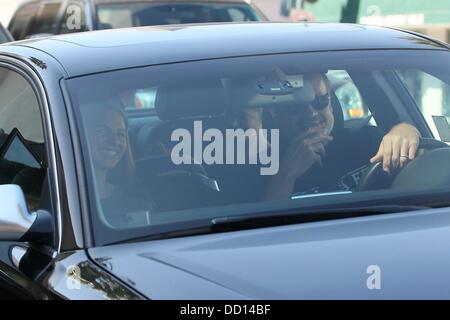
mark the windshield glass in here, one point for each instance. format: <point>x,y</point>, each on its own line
<point>133,14</point>
<point>169,146</point>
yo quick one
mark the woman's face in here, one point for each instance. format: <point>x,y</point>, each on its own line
<point>109,139</point>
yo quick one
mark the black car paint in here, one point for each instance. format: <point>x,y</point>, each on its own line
<point>32,278</point>
<point>38,278</point>
<point>136,47</point>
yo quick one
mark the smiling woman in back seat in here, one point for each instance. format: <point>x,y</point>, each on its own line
<point>114,167</point>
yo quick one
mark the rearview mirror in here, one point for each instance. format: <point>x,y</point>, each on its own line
<point>17,223</point>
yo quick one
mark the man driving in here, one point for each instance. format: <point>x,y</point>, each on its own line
<point>317,157</point>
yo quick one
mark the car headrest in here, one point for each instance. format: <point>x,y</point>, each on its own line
<point>190,100</point>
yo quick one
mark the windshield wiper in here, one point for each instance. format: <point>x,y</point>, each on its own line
<point>271,219</point>
<point>231,223</point>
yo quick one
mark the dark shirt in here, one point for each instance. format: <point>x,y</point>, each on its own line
<point>347,158</point>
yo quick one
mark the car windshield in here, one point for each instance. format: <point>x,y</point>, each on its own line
<point>133,14</point>
<point>169,147</point>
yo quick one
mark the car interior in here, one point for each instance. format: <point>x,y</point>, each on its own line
<point>198,186</point>
<point>159,100</point>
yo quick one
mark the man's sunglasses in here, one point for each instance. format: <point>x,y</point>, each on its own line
<point>319,103</point>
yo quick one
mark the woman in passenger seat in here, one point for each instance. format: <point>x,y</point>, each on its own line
<point>123,202</point>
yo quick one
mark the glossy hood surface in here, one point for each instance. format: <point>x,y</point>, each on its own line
<point>402,256</point>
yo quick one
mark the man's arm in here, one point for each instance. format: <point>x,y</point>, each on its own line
<point>303,152</point>
<point>398,147</point>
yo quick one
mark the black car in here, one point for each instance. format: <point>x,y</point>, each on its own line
<point>132,169</point>
<point>5,36</point>
<point>36,18</point>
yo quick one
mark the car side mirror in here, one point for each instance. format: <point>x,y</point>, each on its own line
<point>17,223</point>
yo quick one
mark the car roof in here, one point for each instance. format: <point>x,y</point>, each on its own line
<point>100,51</point>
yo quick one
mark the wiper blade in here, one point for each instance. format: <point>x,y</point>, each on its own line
<point>270,219</point>
<point>231,223</point>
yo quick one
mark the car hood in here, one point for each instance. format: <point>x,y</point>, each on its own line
<point>405,255</point>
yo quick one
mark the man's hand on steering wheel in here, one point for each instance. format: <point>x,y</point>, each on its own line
<point>398,147</point>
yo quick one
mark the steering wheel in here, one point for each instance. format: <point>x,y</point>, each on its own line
<point>376,178</point>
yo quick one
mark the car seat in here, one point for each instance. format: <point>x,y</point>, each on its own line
<point>184,186</point>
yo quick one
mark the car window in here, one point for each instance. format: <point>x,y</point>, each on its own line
<point>22,155</point>
<point>74,18</point>
<point>139,99</point>
<point>252,135</point>
<point>22,19</point>
<point>120,15</point>
<point>354,108</point>
<point>432,96</point>
<point>46,19</point>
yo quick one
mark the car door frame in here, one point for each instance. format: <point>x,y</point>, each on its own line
<point>12,269</point>
<point>54,280</point>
